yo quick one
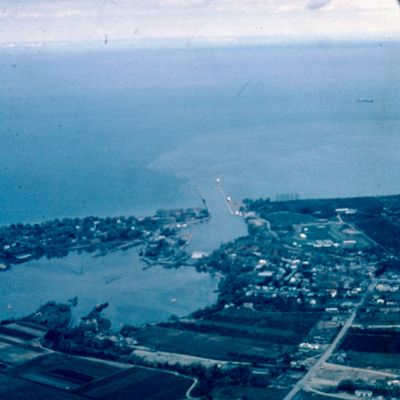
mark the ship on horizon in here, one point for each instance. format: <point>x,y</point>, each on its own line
<point>361,100</point>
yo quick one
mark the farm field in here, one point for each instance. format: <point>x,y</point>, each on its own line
<point>13,355</point>
<point>372,340</point>
<point>232,334</point>
<point>269,335</point>
<point>138,384</point>
<point>282,218</point>
<point>18,389</point>
<point>310,396</point>
<point>298,322</point>
<point>209,345</point>
<point>376,361</point>
<point>16,333</point>
<point>377,317</point>
<point>287,328</point>
<point>235,392</point>
<point>72,370</point>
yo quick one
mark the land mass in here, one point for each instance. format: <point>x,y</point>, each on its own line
<point>308,308</point>
<point>159,237</point>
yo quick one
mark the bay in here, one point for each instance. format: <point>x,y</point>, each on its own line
<point>135,295</point>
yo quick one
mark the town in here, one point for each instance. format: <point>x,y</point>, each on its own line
<point>158,236</point>
<point>308,308</point>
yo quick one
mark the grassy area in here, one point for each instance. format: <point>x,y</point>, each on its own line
<point>381,231</point>
<point>372,340</point>
<point>321,208</point>
<point>233,334</point>
<point>15,354</point>
<point>268,334</point>
<point>284,218</point>
<point>249,393</point>
<point>318,232</point>
<point>378,361</point>
<point>139,384</point>
<point>310,396</point>
<point>292,325</point>
<point>16,333</point>
<point>376,317</point>
<point>67,368</point>
<point>17,389</point>
<point>209,345</point>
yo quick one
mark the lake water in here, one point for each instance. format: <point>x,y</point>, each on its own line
<point>112,132</point>
<point>135,295</point>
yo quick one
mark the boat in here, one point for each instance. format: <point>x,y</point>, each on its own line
<point>365,100</point>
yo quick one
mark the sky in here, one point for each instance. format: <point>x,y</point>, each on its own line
<point>47,22</point>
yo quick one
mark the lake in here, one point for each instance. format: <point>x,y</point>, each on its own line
<point>135,296</point>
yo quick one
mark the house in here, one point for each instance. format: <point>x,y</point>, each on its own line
<point>364,394</point>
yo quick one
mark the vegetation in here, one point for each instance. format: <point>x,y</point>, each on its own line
<point>158,235</point>
<point>372,340</point>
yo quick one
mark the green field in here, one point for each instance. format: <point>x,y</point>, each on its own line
<point>282,218</point>
<point>310,396</point>
<point>139,384</point>
<point>372,341</point>
<point>295,320</point>
<point>4,330</point>
<point>15,354</point>
<point>377,361</point>
<point>285,327</point>
<point>67,368</point>
<point>376,317</point>
<point>209,345</point>
<point>318,232</point>
<point>267,334</point>
<point>17,389</point>
<point>233,334</point>
<point>250,393</point>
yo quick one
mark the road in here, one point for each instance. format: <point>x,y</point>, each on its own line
<point>189,391</point>
<point>269,227</point>
<point>329,351</point>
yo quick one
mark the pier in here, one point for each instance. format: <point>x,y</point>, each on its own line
<point>233,207</point>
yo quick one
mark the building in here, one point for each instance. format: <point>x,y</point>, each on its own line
<point>364,394</point>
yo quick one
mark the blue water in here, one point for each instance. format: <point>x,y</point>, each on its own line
<point>118,132</point>
<point>135,296</point>
<point>112,132</point>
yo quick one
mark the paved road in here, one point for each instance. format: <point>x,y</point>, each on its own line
<point>325,356</point>
<point>189,391</point>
